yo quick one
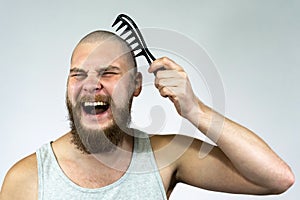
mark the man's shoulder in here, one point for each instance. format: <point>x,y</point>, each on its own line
<point>172,149</point>
<point>160,141</point>
<point>168,149</point>
<point>21,180</point>
<point>27,167</point>
<point>171,140</point>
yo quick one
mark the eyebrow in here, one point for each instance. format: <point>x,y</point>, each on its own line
<point>75,69</point>
<point>110,67</point>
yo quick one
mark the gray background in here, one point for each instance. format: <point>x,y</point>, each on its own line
<point>254,45</point>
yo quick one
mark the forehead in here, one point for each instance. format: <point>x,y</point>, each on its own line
<point>102,53</point>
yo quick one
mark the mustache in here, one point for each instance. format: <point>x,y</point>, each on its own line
<point>95,98</point>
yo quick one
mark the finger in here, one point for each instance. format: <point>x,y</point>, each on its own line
<point>171,74</point>
<point>166,92</point>
<point>164,62</point>
<point>159,83</point>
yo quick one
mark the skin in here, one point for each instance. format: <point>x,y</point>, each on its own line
<point>240,163</point>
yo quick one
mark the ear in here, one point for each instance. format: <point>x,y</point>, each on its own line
<point>138,84</point>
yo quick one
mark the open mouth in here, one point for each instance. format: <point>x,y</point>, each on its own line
<point>95,108</point>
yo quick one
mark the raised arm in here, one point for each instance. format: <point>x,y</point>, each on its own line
<point>241,163</point>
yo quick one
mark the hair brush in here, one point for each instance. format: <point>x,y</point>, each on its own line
<point>132,35</point>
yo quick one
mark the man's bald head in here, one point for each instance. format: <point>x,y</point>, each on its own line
<point>99,36</point>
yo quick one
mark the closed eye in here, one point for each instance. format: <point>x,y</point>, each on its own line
<point>110,71</point>
<point>78,73</point>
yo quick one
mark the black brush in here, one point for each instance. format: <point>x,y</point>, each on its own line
<point>132,35</point>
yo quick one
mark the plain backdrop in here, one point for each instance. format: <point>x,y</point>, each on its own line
<point>254,46</point>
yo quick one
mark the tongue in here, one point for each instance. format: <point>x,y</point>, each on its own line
<point>95,110</point>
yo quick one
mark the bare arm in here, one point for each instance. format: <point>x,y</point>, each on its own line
<point>250,156</point>
<point>21,180</point>
<point>242,162</point>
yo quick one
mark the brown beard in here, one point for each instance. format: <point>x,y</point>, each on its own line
<point>98,141</point>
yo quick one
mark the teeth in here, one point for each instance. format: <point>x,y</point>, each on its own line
<point>98,103</point>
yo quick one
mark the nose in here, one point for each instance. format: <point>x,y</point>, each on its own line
<point>92,85</point>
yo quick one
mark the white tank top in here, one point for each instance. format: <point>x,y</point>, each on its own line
<point>142,180</point>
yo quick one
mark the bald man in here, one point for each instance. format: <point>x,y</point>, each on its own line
<point>103,158</point>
